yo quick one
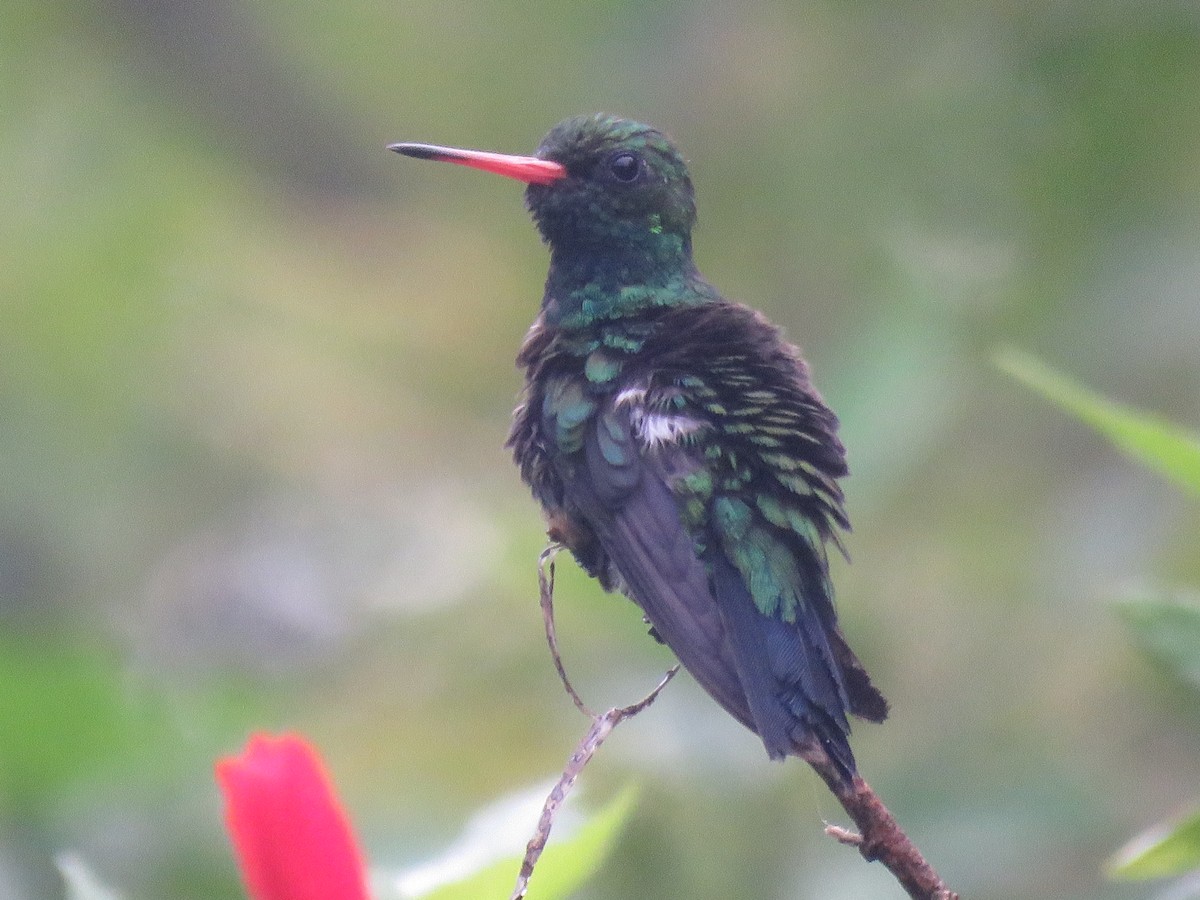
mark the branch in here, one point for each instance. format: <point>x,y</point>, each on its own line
<point>880,838</point>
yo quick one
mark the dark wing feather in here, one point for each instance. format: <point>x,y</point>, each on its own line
<point>635,517</point>
<point>776,678</point>
<point>756,391</point>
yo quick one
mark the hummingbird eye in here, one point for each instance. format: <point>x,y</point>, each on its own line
<point>625,167</point>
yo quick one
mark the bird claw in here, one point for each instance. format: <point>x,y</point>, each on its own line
<point>653,632</point>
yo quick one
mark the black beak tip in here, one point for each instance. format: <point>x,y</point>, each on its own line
<point>416,151</point>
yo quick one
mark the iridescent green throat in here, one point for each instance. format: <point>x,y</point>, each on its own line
<point>583,292</point>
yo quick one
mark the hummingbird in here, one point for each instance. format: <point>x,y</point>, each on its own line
<point>675,440</point>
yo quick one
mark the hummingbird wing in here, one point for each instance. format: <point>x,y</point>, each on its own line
<point>779,678</point>
<point>708,479</point>
<point>635,518</point>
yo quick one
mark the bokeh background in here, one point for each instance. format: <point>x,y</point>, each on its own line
<point>255,375</point>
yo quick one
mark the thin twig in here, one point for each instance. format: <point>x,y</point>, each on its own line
<point>546,591</point>
<point>601,727</point>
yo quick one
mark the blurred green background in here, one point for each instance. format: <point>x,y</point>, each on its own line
<point>255,374</point>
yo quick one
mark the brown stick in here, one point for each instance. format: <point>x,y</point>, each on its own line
<point>880,838</point>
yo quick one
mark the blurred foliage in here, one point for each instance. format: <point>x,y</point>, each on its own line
<point>81,883</point>
<point>1169,630</point>
<point>568,861</point>
<point>1158,444</point>
<point>1171,849</point>
<point>255,376</point>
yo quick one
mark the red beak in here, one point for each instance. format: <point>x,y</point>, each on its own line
<point>529,169</point>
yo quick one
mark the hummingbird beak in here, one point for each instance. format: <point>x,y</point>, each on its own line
<point>529,169</point>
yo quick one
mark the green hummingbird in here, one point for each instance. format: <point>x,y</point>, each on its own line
<point>675,440</point>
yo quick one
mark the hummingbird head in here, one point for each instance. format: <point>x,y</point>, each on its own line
<point>625,186</point>
<point>600,187</point>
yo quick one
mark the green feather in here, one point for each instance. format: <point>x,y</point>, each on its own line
<point>566,405</point>
<point>601,367</point>
<point>764,561</point>
<point>608,437</point>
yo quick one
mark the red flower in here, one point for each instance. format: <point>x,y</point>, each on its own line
<point>293,840</point>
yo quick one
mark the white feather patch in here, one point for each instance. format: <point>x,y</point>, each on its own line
<point>652,423</point>
<point>631,396</point>
<point>660,428</point>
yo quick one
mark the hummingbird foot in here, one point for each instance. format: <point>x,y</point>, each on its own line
<point>653,632</point>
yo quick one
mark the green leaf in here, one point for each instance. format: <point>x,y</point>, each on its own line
<point>564,867</point>
<point>1167,629</point>
<point>1168,449</point>
<point>1163,851</point>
